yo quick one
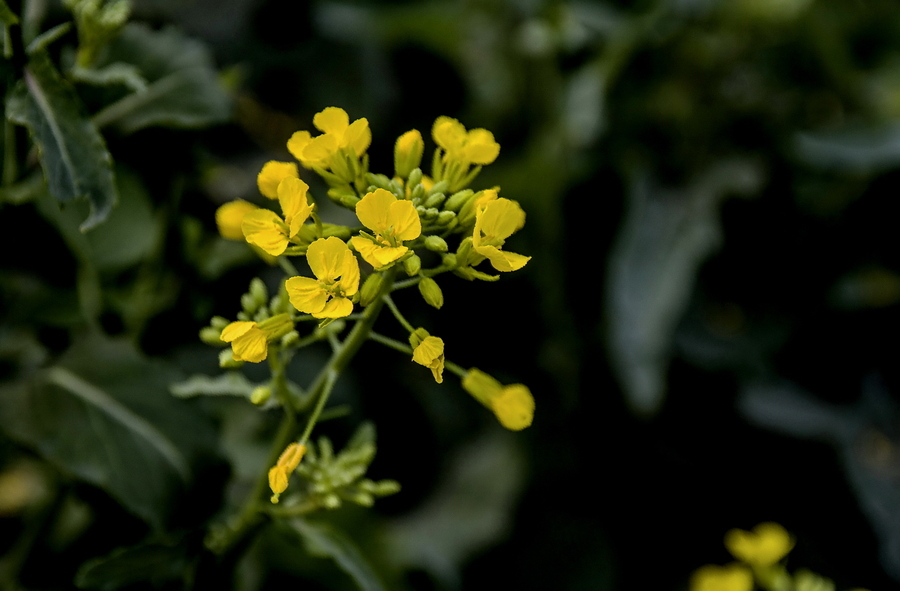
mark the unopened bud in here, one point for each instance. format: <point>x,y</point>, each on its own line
<point>258,291</point>
<point>227,360</point>
<point>408,153</point>
<point>431,292</point>
<point>417,336</point>
<point>260,395</point>
<point>349,201</point>
<point>445,218</point>
<point>412,265</point>
<point>210,336</point>
<point>457,200</point>
<point>436,244</point>
<point>370,289</point>
<point>435,200</point>
<point>415,177</point>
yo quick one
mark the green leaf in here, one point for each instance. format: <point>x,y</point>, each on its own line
<point>154,563</point>
<point>324,540</point>
<point>8,18</point>
<point>104,414</point>
<point>183,86</point>
<point>232,383</point>
<point>72,152</point>
<point>114,74</point>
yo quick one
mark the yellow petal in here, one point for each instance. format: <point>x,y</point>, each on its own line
<point>332,120</point>
<point>385,255</point>
<point>291,456</point>
<point>448,133</point>
<point>229,217</point>
<point>405,220</point>
<point>481,385</point>
<point>278,479</point>
<point>373,210</point>
<point>349,274</point>
<point>764,546</point>
<point>502,260</point>
<point>319,151</point>
<point>358,136</point>
<point>336,308</point>
<point>248,343</point>
<point>272,174</point>
<point>733,577</point>
<point>500,219</point>
<point>236,330</point>
<point>326,258</point>
<point>306,294</point>
<point>294,205</point>
<point>367,249</point>
<point>298,142</point>
<point>430,353</point>
<point>262,228</point>
<point>480,147</point>
<point>514,407</point>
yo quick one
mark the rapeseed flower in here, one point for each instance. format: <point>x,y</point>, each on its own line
<point>250,340</point>
<point>732,577</point>
<point>764,546</point>
<point>494,223</point>
<point>469,147</point>
<point>408,153</point>
<point>393,221</point>
<point>337,280</point>
<point>338,134</point>
<point>281,472</point>
<point>230,216</point>
<point>267,230</point>
<point>430,353</point>
<point>272,174</point>
<point>513,405</point>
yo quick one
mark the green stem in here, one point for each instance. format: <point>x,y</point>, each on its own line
<point>398,346</point>
<point>396,312</point>
<point>406,283</point>
<point>288,267</point>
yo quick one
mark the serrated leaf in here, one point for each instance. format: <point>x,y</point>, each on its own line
<point>154,563</point>
<point>72,152</point>
<point>232,383</point>
<point>324,540</point>
<point>104,414</point>
<point>183,87</point>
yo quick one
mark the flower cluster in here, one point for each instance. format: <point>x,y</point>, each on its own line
<point>407,224</point>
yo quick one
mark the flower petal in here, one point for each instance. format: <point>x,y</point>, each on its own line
<point>349,273</point>
<point>306,294</point>
<point>502,260</point>
<point>326,257</point>
<point>448,133</point>
<point>358,136</point>
<point>373,210</point>
<point>298,142</point>
<point>336,308</point>
<point>230,216</point>
<point>405,220</point>
<point>294,205</point>
<point>481,147</point>
<point>272,174</point>
<point>262,227</point>
<point>514,407</point>
<point>332,120</point>
<point>500,219</point>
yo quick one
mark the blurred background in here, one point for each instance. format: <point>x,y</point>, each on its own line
<point>708,322</point>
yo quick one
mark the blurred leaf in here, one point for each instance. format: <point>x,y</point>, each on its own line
<point>104,413</point>
<point>232,383</point>
<point>324,540</point>
<point>665,237</point>
<point>183,87</point>
<point>113,74</point>
<point>851,150</point>
<point>154,563</point>
<point>72,152</point>
<point>42,41</point>
<point>8,18</point>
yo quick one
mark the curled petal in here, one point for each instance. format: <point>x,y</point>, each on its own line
<point>499,219</point>
<point>358,136</point>
<point>430,353</point>
<point>294,204</point>
<point>272,174</point>
<point>332,120</point>
<point>502,260</point>
<point>481,147</point>
<point>404,220</point>
<point>263,228</point>
<point>248,342</point>
<point>298,142</point>
<point>514,407</point>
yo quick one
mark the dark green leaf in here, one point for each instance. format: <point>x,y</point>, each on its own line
<point>8,18</point>
<point>322,539</point>
<point>74,157</point>
<point>104,414</point>
<point>153,563</point>
<point>183,86</point>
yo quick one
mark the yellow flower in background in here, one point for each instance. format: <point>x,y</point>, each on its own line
<point>430,353</point>
<point>408,153</point>
<point>764,546</point>
<point>337,280</point>
<point>229,217</point>
<point>732,577</point>
<point>494,223</point>
<point>281,472</point>
<point>338,133</point>
<point>473,147</point>
<point>272,174</point>
<point>267,230</point>
<point>513,405</point>
<point>393,222</point>
<point>248,341</point>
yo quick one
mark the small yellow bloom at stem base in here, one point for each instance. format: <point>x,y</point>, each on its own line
<point>229,217</point>
<point>513,405</point>
<point>496,222</point>
<point>248,342</point>
<point>392,220</point>
<point>430,353</point>
<point>764,546</point>
<point>281,472</point>
<point>733,577</point>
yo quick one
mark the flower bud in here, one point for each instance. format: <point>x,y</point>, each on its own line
<point>290,338</point>
<point>412,265</point>
<point>417,336</point>
<point>434,201</point>
<point>379,181</point>
<point>258,291</point>
<point>349,201</point>
<point>260,395</point>
<point>370,289</point>
<point>277,326</point>
<point>408,153</point>
<point>210,336</point>
<point>445,218</point>
<point>431,292</point>
<point>227,360</point>
<point>436,244</point>
<point>415,177</point>
<point>457,200</point>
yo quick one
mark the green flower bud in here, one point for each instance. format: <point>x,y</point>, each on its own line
<point>290,338</point>
<point>449,260</point>
<point>339,193</point>
<point>258,291</point>
<point>210,336</point>
<point>418,193</point>
<point>412,265</point>
<point>370,289</point>
<point>440,187</point>
<point>227,360</point>
<point>445,218</point>
<point>260,395</point>
<point>379,181</point>
<point>415,177</point>
<point>349,201</point>
<point>396,187</point>
<point>436,244</point>
<point>457,200</point>
<point>464,251</point>
<point>408,153</point>
<point>435,200</point>
<point>431,292</point>
<point>249,303</point>
<point>417,336</point>
<point>219,322</point>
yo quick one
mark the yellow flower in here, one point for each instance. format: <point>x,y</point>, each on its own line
<point>473,147</point>
<point>733,577</point>
<point>338,133</point>
<point>496,222</point>
<point>267,230</point>
<point>337,280</point>
<point>282,470</point>
<point>392,220</point>
<point>272,174</point>
<point>230,216</point>
<point>764,546</point>
<point>513,405</point>
<point>430,353</point>
<point>249,340</point>
<point>408,153</point>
